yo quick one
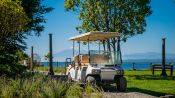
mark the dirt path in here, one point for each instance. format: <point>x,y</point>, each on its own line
<point>126,95</point>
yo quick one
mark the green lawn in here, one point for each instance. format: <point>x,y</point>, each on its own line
<point>145,82</point>
<point>56,69</point>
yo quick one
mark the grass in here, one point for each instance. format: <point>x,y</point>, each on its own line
<point>145,82</point>
<point>59,70</point>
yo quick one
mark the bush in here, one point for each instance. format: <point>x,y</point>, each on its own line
<point>39,86</point>
<point>74,91</point>
<point>92,92</point>
<point>10,58</point>
<point>13,70</point>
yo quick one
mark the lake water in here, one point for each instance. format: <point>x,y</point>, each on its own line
<point>126,66</point>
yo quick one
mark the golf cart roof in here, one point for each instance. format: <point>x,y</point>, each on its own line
<point>94,36</point>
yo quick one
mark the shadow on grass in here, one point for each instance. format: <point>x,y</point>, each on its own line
<point>113,89</point>
<point>153,93</point>
<point>151,77</point>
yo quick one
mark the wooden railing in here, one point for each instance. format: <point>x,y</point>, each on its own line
<point>149,63</point>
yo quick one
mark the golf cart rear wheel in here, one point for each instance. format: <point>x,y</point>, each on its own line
<point>121,84</point>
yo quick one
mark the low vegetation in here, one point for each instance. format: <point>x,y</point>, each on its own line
<point>39,86</point>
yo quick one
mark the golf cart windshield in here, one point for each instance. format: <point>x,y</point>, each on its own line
<point>104,57</point>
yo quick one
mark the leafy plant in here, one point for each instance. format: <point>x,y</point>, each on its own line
<point>74,91</point>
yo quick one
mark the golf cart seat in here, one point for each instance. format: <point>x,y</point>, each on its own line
<point>95,58</point>
<point>99,58</point>
<point>81,58</point>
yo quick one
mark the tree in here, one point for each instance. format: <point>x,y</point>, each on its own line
<point>12,18</point>
<point>128,17</point>
<point>47,56</point>
<point>35,10</point>
<point>12,22</point>
<point>18,19</point>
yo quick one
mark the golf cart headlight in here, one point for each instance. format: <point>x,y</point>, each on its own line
<point>96,71</point>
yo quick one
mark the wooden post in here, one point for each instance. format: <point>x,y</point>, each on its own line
<point>163,58</point>
<point>57,64</point>
<point>50,57</point>
<point>133,66</point>
<point>171,73</point>
<point>153,69</point>
<point>31,66</point>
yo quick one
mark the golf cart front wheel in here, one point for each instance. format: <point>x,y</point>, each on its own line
<point>90,80</point>
<point>69,78</point>
<point>121,84</point>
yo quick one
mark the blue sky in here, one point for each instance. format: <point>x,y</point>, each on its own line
<point>62,25</point>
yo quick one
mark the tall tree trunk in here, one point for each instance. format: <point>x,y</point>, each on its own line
<point>114,44</point>
<point>104,46</point>
<point>108,45</point>
<point>114,25</point>
<point>119,50</point>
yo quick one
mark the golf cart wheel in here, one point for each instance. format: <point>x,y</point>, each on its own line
<point>69,78</point>
<point>121,84</point>
<point>91,80</point>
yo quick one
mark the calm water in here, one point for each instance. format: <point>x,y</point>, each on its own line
<point>138,66</point>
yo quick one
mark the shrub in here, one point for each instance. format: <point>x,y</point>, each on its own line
<point>74,91</point>
<point>92,92</point>
<point>40,86</point>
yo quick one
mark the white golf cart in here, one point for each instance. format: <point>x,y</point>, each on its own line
<point>97,66</point>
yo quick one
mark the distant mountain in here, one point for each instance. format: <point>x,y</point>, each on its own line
<point>148,60</point>
<point>68,53</point>
<point>136,57</point>
<point>148,57</point>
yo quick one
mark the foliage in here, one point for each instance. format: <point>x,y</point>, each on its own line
<point>21,55</point>
<point>35,11</point>
<point>38,86</point>
<point>10,64</point>
<point>92,92</point>
<point>12,18</point>
<point>89,89</point>
<point>47,56</point>
<point>74,91</point>
<point>18,19</point>
<point>128,17</point>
